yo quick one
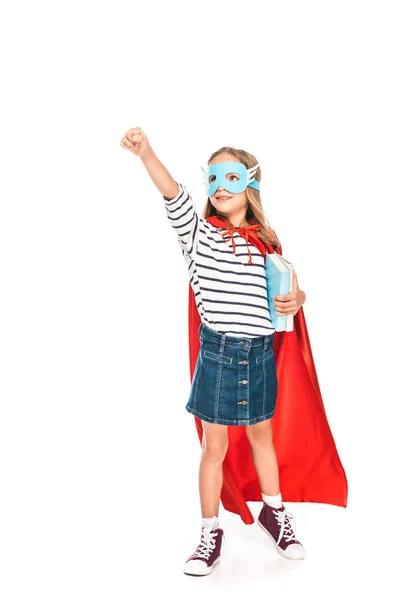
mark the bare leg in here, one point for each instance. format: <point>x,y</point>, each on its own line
<point>214,447</point>
<point>264,457</point>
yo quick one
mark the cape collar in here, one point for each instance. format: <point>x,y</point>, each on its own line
<point>249,233</point>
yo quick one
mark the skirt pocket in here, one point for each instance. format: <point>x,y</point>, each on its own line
<point>269,354</point>
<point>227,360</point>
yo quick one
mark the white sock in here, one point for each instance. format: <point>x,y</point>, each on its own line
<point>210,522</point>
<point>274,501</point>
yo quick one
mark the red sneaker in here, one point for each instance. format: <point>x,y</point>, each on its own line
<point>276,523</point>
<point>207,553</point>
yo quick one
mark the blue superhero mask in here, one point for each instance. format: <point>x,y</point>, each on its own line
<point>218,175</point>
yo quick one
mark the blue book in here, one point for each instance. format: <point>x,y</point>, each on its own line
<point>279,283</point>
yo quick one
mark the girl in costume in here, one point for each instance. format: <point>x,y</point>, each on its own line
<point>234,377</point>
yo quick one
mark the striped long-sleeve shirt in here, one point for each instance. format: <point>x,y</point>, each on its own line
<point>230,294</point>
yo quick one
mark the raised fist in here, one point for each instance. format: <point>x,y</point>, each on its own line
<point>135,141</point>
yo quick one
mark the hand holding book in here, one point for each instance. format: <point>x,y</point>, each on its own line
<point>284,296</point>
<point>290,303</point>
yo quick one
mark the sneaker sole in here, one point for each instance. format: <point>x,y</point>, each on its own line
<point>207,572</point>
<point>279,550</point>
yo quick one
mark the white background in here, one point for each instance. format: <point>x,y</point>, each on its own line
<point>99,459</point>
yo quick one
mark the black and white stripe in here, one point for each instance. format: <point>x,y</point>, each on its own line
<point>231,295</point>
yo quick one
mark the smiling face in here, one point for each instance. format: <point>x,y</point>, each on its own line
<point>232,206</point>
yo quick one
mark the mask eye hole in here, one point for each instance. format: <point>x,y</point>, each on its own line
<point>232,177</point>
<point>211,178</point>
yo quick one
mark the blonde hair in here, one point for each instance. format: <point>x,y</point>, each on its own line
<point>255,212</point>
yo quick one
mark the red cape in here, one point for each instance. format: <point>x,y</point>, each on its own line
<point>309,465</point>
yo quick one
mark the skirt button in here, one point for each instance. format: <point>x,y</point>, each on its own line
<point>244,381</point>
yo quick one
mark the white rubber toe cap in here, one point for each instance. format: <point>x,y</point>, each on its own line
<point>294,551</point>
<point>196,567</point>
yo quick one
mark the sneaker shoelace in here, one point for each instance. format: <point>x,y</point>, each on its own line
<point>207,543</point>
<point>283,517</point>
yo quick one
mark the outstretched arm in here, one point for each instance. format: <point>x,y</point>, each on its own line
<point>136,141</point>
<point>178,202</point>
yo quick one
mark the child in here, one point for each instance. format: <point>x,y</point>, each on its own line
<point>235,377</point>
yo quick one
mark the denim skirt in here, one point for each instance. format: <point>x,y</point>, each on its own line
<point>235,380</point>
